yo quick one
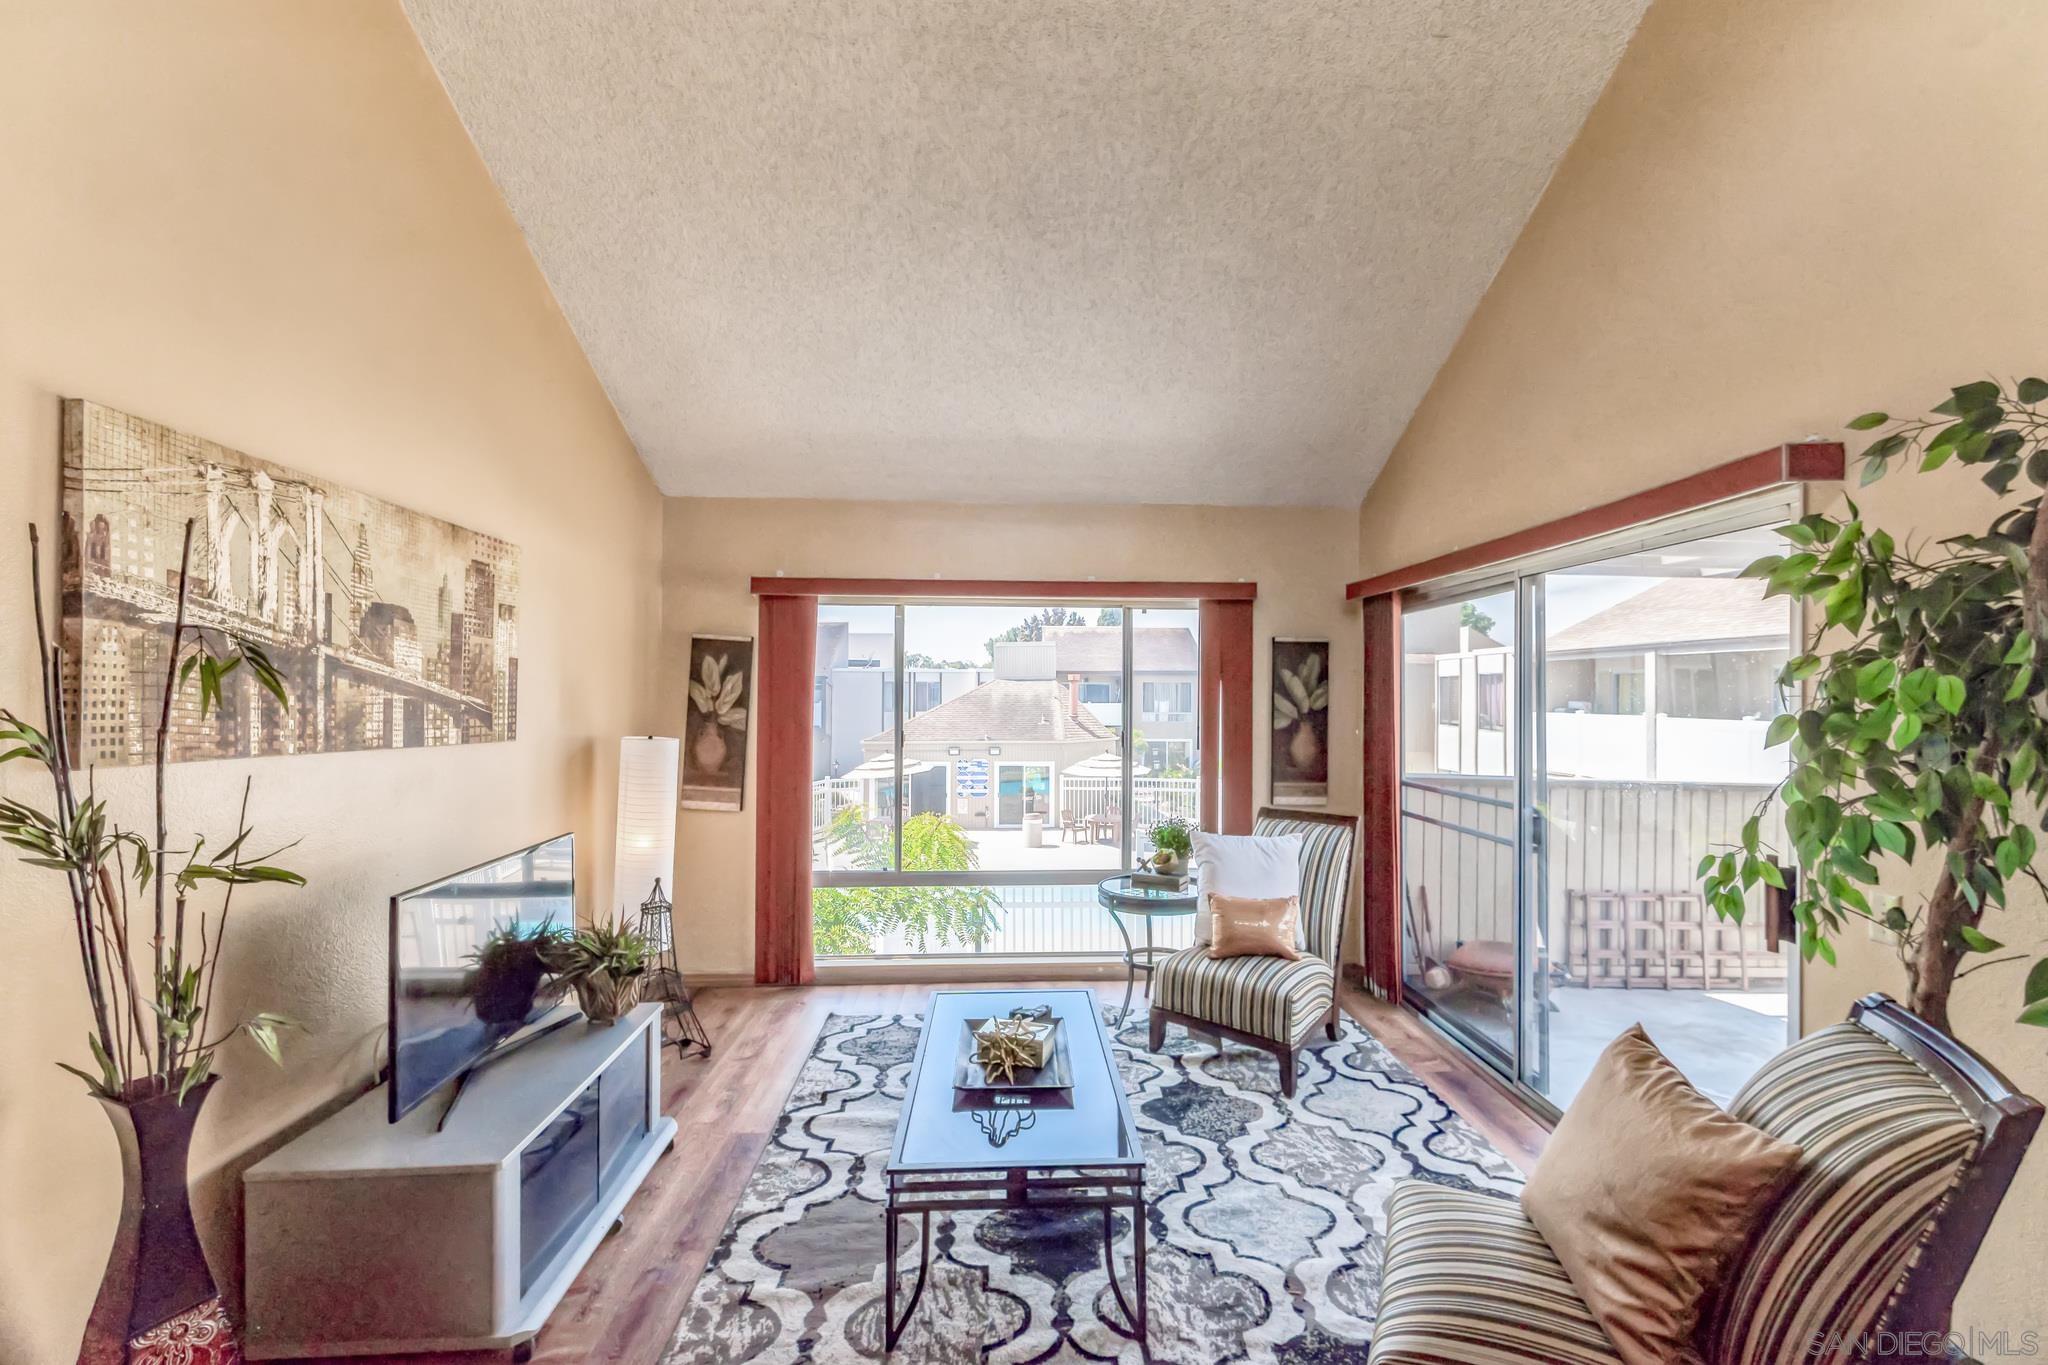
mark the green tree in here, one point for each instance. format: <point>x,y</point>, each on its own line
<point>1470,615</point>
<point>1926,727</point>
<point>848,919</point>
<point>1110,616</point>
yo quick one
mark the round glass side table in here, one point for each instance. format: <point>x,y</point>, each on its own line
<point>1121,897</point>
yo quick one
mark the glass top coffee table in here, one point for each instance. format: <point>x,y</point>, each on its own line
<point>1052,1150</point>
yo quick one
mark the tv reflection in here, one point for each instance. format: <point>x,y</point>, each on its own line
<point>475,963</point>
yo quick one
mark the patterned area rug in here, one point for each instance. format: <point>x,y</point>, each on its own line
<point>1265,1216</point>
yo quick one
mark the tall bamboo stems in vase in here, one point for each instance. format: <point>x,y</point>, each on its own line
<point>155,1037</point>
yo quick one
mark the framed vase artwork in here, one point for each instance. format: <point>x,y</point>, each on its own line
<point>1301,722</point>
<point>715,733</point>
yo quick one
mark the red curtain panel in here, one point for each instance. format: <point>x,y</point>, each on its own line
<point>1382,805</point>
<point>1226,715</point>
<point>785,669</point>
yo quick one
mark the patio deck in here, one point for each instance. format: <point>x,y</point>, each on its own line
<point>1717,1038</point>
<point>1005,850</point>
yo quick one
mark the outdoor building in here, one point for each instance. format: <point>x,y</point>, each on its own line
<point>1089,660</point>
<point>1675,681</point>
<point>854,693</point>
<point>1466,676</point>
<point>1000,752</point>
<point>1679,680</point>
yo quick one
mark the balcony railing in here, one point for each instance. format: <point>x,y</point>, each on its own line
<point>1046,921</point>
<point>1629,850</point>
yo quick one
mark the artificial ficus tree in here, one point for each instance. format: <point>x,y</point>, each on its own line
<point>1925,728</point>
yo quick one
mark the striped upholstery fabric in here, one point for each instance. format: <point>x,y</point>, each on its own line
<point>1467,1280</point>
<point>1325,879</point>
<point>1883,1144</point>
<point>1269,996</point>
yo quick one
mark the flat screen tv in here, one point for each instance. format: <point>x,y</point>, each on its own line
<point>461,988</point>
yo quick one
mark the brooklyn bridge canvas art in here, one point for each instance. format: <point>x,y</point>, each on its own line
<point>392,629</point>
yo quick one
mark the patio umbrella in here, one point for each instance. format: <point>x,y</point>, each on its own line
<point>1104,765</point>
<point>883,766</point>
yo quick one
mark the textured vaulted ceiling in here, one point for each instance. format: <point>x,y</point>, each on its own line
<point>1021,250</point>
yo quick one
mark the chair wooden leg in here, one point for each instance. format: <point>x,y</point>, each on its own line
<point>1158,1031</point>
<point>1330,1024</point>
<point>1286,1056</point>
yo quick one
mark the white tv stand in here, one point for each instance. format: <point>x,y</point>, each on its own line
<point>366,1237</point>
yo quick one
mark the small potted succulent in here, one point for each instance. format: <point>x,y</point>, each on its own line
<point>1172,841</point>
<point>606,963</point>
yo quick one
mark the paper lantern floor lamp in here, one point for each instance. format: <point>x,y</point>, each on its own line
<point>645,864</point>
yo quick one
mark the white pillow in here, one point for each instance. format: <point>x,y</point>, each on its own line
<point>1261,866</point>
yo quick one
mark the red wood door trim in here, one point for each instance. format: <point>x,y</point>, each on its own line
<point>1802,462</point>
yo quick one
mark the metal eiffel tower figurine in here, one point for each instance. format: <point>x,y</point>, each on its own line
<point>665,981</point>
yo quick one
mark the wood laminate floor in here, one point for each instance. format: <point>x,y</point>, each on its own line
<point>625,1305</point>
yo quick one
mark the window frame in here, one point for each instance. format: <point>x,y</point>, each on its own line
<point>825,878</point>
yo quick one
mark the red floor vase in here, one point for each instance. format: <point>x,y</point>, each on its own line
<point>158,1304</point>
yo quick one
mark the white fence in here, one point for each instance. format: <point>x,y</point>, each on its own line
<point>1050,921</point>
<point>829,796</point>
<point>1152,799</point>
<point>1652,748</point>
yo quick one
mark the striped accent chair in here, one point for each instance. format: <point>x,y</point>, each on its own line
<point>1909,1141</point>
<point>1270,1002</point>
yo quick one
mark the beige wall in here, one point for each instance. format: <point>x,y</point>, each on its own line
<point>1777,216</point>
<point>263,223</point>
<point>714,546</point>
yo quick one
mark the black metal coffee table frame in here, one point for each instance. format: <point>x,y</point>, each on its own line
<point>923,1193</point>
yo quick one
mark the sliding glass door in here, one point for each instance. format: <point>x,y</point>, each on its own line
<point>1577,735</point>
<point>1458,802</point>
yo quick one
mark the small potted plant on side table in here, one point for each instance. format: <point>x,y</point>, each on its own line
<point>1172,841</point>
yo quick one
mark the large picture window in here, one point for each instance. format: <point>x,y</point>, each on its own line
<point>1021,774</point>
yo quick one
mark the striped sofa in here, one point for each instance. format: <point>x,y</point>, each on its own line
<point>1270,1002</point>
<point>1909,1141</point>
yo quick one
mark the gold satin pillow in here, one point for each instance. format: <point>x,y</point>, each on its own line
<point>1241,926</point>
<point>1646,1192</point>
